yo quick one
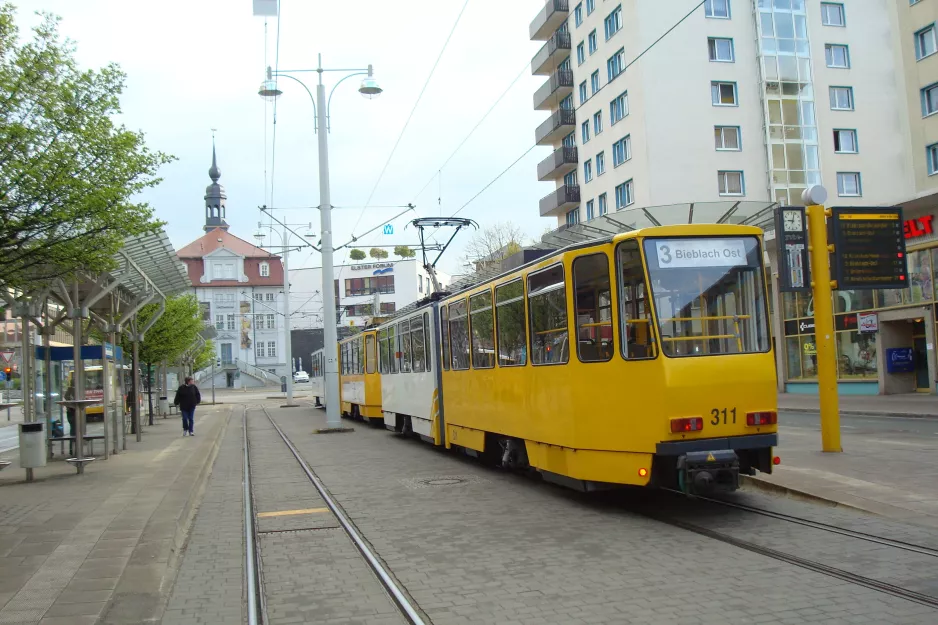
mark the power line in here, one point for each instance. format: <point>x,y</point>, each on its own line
<point>273,148</point>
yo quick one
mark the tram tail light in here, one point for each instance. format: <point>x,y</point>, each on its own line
<point>761,418</point>
<point>686,424</point>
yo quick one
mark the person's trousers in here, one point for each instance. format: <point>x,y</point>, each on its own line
<point>187,419</point>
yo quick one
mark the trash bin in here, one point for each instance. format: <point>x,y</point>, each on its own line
<point>283,384</point>
<point>32,445</point>
<point>164,405</point>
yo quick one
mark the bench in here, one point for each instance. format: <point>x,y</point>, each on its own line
<point>61,439</point>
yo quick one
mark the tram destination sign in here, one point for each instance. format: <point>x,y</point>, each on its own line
<point>869,248</point>
<point>791,236</point>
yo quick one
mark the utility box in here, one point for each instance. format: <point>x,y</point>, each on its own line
<point>164,405</point>
<point>32,445</point>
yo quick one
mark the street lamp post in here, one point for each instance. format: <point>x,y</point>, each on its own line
<point>369,88</point>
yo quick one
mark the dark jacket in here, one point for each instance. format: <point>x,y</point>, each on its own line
<point>188,397</point>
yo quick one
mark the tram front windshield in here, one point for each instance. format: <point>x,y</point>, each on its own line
<point>708,294</point>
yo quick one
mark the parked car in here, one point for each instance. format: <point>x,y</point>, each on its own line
<point>300,376</point>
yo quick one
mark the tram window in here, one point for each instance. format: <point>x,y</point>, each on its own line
<point>383,351</point>
<point>638,340</point>
<point>547,306</point>
<point>444,330</point>
<point>459,335</point>
<point>426,340</point>
<point>417,344</point>
<point>509,320</point>
<point>392,349</point>
<point>370,353</point>
<point>593,308</point>
<point>356,354</point>
<point>483,331</point>
<point>403,331</point>
<point>344,354</point>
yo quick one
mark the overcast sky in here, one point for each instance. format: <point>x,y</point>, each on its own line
<point>196,65</point>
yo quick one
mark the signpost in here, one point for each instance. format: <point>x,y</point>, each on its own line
<point>7,355</point>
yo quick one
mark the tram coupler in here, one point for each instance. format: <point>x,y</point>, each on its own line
<point>706,472</point>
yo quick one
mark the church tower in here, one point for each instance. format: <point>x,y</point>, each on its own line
<point>215,198</point>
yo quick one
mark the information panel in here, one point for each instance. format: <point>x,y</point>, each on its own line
<point>701,252</point>
<point>869,248</point>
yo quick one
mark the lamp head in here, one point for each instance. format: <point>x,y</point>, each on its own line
<point>268,89</point>
<point>369,87</point>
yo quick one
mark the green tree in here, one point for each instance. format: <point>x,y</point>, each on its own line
<point>378,253</point>
<point>357,255</point>
<point>403,251</point>
<point>205,356</point>
<point>68,175</point>
<point>490,246</point>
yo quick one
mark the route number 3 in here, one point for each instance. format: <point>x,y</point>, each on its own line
<point>716,413</point>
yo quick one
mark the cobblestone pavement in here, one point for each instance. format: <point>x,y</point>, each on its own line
<point>76,549</point>
<point>474,545</point>
<point>312,571</point>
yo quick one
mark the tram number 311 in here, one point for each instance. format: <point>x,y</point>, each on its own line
<point>717,413</point>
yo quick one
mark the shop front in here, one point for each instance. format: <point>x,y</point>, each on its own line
<point>884,338</point>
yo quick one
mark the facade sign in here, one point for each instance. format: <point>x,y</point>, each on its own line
<point>791,236</point>
<point>868,323</point>
<point>899,360</point>
<point>371,266</point>
<point>701,252</point>
<point>869,248</point>
<point>388,229</point>
<point>914,228</point>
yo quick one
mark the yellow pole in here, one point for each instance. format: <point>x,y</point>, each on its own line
<point>824,328</point>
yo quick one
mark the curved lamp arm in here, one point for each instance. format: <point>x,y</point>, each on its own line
<point>329,102</point>
<point>308,92</point>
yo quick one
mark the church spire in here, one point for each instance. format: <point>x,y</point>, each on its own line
<point>215,196</point>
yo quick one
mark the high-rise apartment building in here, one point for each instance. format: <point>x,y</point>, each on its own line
<point>750,100</point>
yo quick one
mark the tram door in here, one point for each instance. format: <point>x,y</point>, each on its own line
<point>920,357</point>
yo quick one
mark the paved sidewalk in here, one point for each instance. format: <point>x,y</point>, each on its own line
<point>891,472</point>
<point>906,405</point>
<point>103,546</point>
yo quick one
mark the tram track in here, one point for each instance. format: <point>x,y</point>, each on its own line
<point>257,608</point>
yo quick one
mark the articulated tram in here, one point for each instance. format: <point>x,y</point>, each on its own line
<point>642,359</point>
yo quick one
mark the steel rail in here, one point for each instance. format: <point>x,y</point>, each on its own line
<point>256,611</point>
<point>396,593</point>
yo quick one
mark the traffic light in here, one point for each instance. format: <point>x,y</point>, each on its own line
<point>7,370</point>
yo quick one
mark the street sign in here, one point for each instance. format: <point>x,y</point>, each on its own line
<point>388,229</point>
<point>869,323</point>
<point>3,376</point>
<point>791,236</point>
<point>900,360</point>
<point>7,355</point>
<point>869,248</point>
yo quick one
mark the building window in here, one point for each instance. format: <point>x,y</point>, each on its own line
<point>727,138</point>
<point>583,94</point>
<point>597,122</point>
<point>925,44</point>
<point>845,141</point>
<point>613,22</point>
<point>832,14</point>
<point>848,184</point>
<point>622,150</point>
<point>570,180</point>
<point>591,42</point>
<point>258,297</point>
<point>731,183</point>
<point>719,9</point>
<point>271,322</point>
<point>567,103</point>
<point>619,108</point>
<point>271,349</point>
<point>270,296</point>
<point>589,210</point>
<point>616,64</point>
<point>219,322</point>
<point>603,205</point>
<point>580,53</point>
<point>590,6</point>
<point>600,163</point>
<point>625,195</point>
<point>369,286</point>
<point>587,170</point>
<point>265,270</point>
<point>594,82</point>
<point>841,98</point>
<point>585,132</point>
<point>578,14</point>
<point>721,49</point>
<point>930,100</point>
<point>259,349</point>
<point>570,140</point>
<point>932,159</point>
<point>573,217</point>
<point>231,322</point>
<point>547,308</point>
<point>837,55</point>
<point>723,94</point>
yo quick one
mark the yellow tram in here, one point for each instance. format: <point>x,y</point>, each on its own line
<point>359,378</point>
<point>640,359</point>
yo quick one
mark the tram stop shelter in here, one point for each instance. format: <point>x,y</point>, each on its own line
<point>67,310</point>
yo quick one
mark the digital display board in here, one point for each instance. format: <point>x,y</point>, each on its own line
<point>869,248</point>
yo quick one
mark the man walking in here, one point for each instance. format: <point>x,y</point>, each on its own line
<point>187,398</point>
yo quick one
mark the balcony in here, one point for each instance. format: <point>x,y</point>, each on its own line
<point>549,19</point>
<point>563,199</point>
<point>561,162</point>
<point>557,87</point>
<point>551,54</point>
<point>560,123</point>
